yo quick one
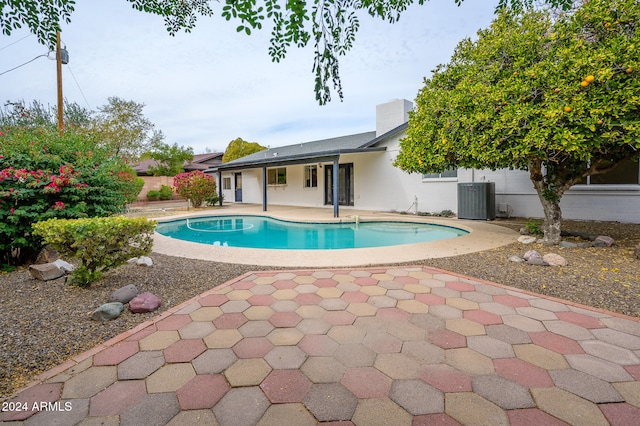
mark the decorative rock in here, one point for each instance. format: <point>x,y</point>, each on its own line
<point>107,311</point>
<point>145,302</point>
<point>537,261</point>
<point>527,239</point>
<point>584,245</point>
<point>516,259</point>
<point>45,271</point>
<point>567,244</point>
<point>65,266</point>
<point>525,231</point>
<point>124,294</point>
<point>554,259</point>
<point>144,261</point>
<point>532,254</point>
<point>47,255</point>
<point>133,260</point>
<point>603,241</point>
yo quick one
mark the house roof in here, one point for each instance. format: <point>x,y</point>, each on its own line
<point>200,162</point>
<point>315,151</point>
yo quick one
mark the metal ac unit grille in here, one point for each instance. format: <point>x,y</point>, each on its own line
<point>477,200</point>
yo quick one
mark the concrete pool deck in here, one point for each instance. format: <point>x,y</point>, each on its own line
<point>482,236</point>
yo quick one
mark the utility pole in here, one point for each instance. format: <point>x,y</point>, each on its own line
<point>59,72</point>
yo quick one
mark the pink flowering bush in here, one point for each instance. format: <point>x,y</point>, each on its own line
<point>44,175</point>
<point>196,186</point>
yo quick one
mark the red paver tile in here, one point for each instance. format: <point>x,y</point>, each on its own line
<point>367,382</point>
<point>355,297</point>
<point>185,350</point>
<point>460,286</point>
<point>434,419</point>
<point>230,320</point>
<point>580,319</point>
<point>318,345</point>
<point>532,416</point>
<point>285,319</point>
<point>308,299</point>
<point>393,314</point>
<point>430,299</point>
<point>446,378</point>
<point>261,300</point>
<point>285,386</point>
<point>555,342</point>
<point>339,318</point>
<point>118,398</point>
<point>173,322</point>
<point>634,370</point>
<point>522,372</point>
<point>45,392</point>
<point>482,317</point>
<point>325,282</point>
<point>406,280</point>
<point>243,285</point>
<point>116,354</point>
<point>252,347</point>
<point>620,414</point>
<point>366,281</point>
<point>447,339</point>
<point>509,300</point>
<point>143,333</point>
<point>213,300</point>
<point>202,392</point>
<point>284,284</point>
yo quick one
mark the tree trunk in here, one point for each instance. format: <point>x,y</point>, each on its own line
<point>552,224</point>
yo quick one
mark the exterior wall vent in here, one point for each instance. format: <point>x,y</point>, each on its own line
<point>477,200</point>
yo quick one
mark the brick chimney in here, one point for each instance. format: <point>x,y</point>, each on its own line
<point>392,114</point>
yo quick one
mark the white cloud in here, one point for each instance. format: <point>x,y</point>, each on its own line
<point>205,88</point>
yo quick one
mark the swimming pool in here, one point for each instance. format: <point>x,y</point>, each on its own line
<point>267,233</point>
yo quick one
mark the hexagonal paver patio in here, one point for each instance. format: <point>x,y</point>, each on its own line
<point>398,345</point>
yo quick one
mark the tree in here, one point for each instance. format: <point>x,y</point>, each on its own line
<point>557,97</point>
<point>122,127</point>
<point>334,23</point>
<point>170,158</point>
<point>36,114</point>
<point>239,148</point>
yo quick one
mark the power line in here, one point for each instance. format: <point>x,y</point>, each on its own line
<point>11,44</point>
<point>15,68</point>
<point>79,88</point>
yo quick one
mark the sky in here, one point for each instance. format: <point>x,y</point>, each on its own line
<point>205,88</point>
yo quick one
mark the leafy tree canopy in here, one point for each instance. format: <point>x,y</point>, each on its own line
<point>559,97</point>
<point>170,158</point>
<point>121,126</point>
<point>331,25</point>
<point>239,148</point>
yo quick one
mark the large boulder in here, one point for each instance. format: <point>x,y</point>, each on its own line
<point>145,302</point>
<point>45,271</point>
<point>554,259</point>
<point>124,294</point>
<point>107,312</point>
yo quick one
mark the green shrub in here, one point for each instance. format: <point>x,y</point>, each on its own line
<point>153,195</point>
<point>98,243</point>
<point>44,175</point>
<point>534,227</point>
<point>165,193</point>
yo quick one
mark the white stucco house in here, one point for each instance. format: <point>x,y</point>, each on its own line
<point>302,174</point>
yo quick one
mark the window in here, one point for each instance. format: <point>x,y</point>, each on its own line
<point>226,183</point>
<point>277,176</point>
<point>625,174</point>
<point>310,176</point>
<point>452,173</point>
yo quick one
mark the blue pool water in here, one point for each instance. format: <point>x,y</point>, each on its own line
<point>268,233</point>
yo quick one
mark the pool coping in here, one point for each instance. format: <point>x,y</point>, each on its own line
<point>482,235</point>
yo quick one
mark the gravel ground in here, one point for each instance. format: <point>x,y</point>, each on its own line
<point>44,324</point>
